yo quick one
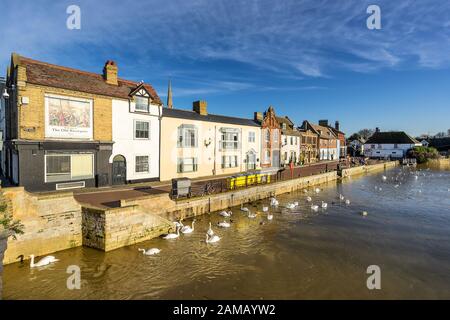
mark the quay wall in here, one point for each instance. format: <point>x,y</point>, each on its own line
<point>51,223</point>
<point>368,169</point>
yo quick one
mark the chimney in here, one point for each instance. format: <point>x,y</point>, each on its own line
<point>323,123</point>
<point>336,126</point>
<point>110,72</point>
<point>258,116</point>
<point>377,129</point>
<point>200,107</point>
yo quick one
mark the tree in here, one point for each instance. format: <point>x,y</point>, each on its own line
<point>423,154</point>
<point>440,135</point>
<point>365,133</point>
<point>448,132</point>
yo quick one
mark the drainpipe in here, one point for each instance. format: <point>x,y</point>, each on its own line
<point>159,151</point>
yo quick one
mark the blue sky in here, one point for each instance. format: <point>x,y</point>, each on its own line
<point>310,59</point>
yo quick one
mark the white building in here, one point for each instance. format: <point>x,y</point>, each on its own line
<point>290,141</point>
<point>136,136</point>
<point>392,144</point>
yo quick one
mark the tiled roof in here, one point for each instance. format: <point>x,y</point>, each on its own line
<point>324,132</point>
<point>46,74</point>
<point>391,137</point>
<point>192,115</point>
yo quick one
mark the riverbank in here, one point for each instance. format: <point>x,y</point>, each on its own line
<point>57,222</point>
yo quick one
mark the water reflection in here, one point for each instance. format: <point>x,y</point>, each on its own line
<point>300,254</point>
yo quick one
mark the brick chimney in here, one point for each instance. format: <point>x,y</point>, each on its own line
<point>323,123</point>
<point>336,125</point>
<point>200,107</point>
<point>110,72</point>
<point>258,116</point>
<point>377,129</point>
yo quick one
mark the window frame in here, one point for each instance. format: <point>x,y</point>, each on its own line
<point>136,163</point>
<point>136,98</point>
<point>68,154</point>
<point>181,165</point>
<point>181,133</point>
<point>135,129</point>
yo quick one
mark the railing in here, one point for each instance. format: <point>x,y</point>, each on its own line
<point>230,145</point>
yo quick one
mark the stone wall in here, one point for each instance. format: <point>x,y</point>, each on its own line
<point>366,169</point>
<point>51,223</point>
<point>148,217</point>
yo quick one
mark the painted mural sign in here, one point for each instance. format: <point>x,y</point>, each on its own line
<point>68,118</point>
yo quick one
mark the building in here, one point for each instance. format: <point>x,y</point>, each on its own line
<point>342,143</point>
<point>290,142</point>
<point>198,144</point>
<point>3,97</point>
<point>271,140</point>
<point>328,143</point>
<point>309,143</point>
<point>391,144</point>
<point>356,147</point>
<point>60,124</point>
<point>441,144</point>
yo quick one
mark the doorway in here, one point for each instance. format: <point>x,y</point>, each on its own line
<point>119,170</point>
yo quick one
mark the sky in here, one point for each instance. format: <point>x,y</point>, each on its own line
<point>309,59</point>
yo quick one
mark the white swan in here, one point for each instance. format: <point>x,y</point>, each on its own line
<point>308,199</point>
<point>43,262</point>
<point>296,203</point>
<point>210,231</point>
<point>251,215</point>
<point>290,206</point>
<point>269,216</point>
<point>188,229</point>
<point>172,235</point>
<point>317,190</point>
<point>364,213</point>
<point>305,191</point>
<point>150,252</point>
<point>341,197</point>
<point>212,239</point>
<point>245,209</point>
<point>226,213</point>
<point>314,207</point>
<point>265,209</point>
<point>224,224</point>
<point>178,224</point>
<point>274,202</point>
<point>324,205</point>
<point>347,202</point>
<point>384,178</point>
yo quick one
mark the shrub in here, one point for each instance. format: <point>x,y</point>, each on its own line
<point>423,154</point>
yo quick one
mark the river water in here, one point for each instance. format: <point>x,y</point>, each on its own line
<point>300,254</point>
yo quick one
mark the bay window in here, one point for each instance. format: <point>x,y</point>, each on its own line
<point>187,136</point>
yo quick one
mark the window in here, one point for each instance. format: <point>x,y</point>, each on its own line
<point>141,165</point>
<point>379,146</point>
<point>141,129</point>
<point>251,136</point>
<point>283,126</point>
<point>187,136</point>
<point>275,136</point>
<point>230,138</point>
<point>292,141</point>
<point>67,167</point>
<point>229,161</point>
<point>267,135</point>
<point>395,146</point>
<point>267,156</point>
<point>187,165</point>
<point>141,104</point>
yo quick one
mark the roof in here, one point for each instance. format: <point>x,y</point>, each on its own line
<point>46,74</point>
<point>440,143</point>
<point>324,132</point>
<point>391,137</point>
<point>192,115</point>
<point>289,131</point>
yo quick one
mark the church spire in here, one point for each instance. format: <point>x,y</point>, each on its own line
<point>169,96</point>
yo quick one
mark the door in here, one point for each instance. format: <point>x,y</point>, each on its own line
<point>276,158</point>
<point>119,170</point>
<point>251,161</point>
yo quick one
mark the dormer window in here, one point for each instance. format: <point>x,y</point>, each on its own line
<point>141,104</point>
<point>284,126</point>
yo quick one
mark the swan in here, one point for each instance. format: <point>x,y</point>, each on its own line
<point>245,209</point>
<point>172,235</point>
<point>210,231</point>
<point>150,252</point>
<point>212,239</point>
<point>269,216</point>
<point>314,207</point>
<point>224,224</point>
<point>43,262</point>
<point>226,214</point>
<point>274,202</point>
<point>341,197</point>
<point>188,229</point>
<point>296,203</point>
<point>305,191</point>
<point>265,209</point>
<point>347,202</point>
<point>251,215</point>
<point>324,205</point>
<point>364,213</point>
<point>290,206</point>
<point>308,199</point>
<point>178,224</point>
<point>317,190</point>
<point>384,178</point>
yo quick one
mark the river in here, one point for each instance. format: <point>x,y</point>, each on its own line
<point>300,254</point>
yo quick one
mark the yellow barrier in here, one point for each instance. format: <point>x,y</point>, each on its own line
<point>245,180</point>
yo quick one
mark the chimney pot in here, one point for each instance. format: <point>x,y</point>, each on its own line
<point>200,107</point>
<point>258,116</point>
<point>336,126</point>
<point>323,123</point>
<point>377,129</point>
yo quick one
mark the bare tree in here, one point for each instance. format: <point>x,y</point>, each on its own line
<point>365,133</point>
